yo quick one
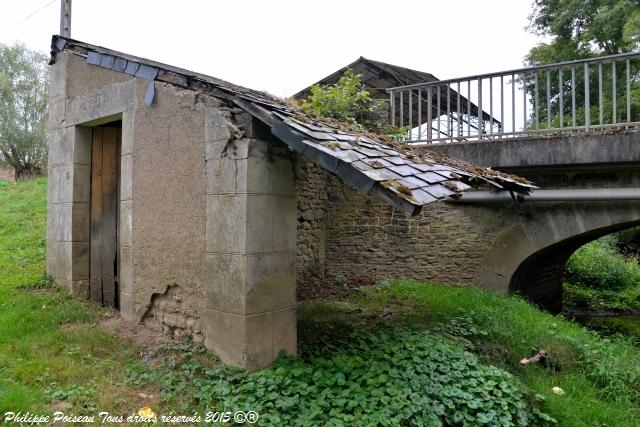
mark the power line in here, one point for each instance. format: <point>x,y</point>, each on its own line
<point>37,11</point>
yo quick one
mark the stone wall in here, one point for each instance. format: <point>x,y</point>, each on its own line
<point>311,190</point>
<point>340,230</point>
<point>167,201</point>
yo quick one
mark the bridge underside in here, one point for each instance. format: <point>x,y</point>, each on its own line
<point>539,277</point>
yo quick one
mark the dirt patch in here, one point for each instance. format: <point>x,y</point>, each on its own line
<point>145,337</point>
<point>333,286</point>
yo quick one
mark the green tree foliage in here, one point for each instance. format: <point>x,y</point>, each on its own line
<point>23,110</point>
<point>582,28</point>
<point>348,102</point>
<point>578,29</point>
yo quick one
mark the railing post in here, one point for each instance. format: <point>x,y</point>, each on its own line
<point>614,96</point>
<point>392,106</point>
<point>587,106</point>
<point>459,118</point>
<point>573,96</point>
<point>429,113</point>
<point>449,117</point>
<point>560,97</point>
<point>439,114</point>
<point>628,92</point>
<point>524,102</point>
<point>410,114</point>
<point>501,105</point>
<point>537,101</point>
<point>548,99</point>
<point>600,100</point>
<point>480,112</point>
<point>468,108</point>
<point>419,114</point>
<point>401,109</point>
<point>491,106</point>
<point>513,103</point>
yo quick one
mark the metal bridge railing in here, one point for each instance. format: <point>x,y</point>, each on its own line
<point>574,96</point>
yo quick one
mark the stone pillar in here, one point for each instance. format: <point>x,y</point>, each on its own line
<point>69,169</point>
<point>251,221</point>
<point>125,224</point>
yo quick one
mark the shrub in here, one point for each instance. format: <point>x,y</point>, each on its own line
<point>599,265</point>
<point>348,102</point>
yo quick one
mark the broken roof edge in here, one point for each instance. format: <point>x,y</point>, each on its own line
<point>406,178</point>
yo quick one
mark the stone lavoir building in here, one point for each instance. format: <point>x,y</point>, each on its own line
<point>192,204</point>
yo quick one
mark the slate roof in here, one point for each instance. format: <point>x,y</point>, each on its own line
<point>404,177</point>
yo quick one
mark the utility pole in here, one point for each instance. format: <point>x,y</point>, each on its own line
<point>65,18</point>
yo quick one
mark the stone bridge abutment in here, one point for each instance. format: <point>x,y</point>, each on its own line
<point>529,256</point>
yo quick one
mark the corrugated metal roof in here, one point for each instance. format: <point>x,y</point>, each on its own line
<point>405,177</point>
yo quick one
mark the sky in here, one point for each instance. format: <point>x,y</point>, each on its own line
<point>283,46</point>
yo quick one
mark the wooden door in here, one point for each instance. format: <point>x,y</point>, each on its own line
<point>105,155</point>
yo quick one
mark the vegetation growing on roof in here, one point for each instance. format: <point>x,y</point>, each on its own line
<point>348,101</point>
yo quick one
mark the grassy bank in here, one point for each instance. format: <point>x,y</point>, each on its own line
<point>402,353</point>
<point>51,355</point>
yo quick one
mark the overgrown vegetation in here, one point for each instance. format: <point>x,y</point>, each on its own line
<point>602,275</point>
<point>599,265</point>
<point>602,288</point>
<point>378,375</point>
<point>402,353</point>
<point>347,101</point>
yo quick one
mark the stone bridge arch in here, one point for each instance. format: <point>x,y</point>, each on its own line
<point>529,256</point>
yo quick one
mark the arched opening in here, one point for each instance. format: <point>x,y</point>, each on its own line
<point>539,277</point>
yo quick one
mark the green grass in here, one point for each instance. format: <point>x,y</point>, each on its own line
<point>49,347</point>
<point>52,355</point>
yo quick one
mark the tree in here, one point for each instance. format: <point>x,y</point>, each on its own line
<point>23,110</point>
<point>582,28</point>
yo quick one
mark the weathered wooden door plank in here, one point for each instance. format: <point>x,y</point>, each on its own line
<point>95,276</point>
<point>104,212</point>
<point>110,206</point>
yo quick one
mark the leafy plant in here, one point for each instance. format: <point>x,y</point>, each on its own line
<point>346,100</point>
<point>82,396</point>
<point>385,376</point>
<point>349,102</point>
